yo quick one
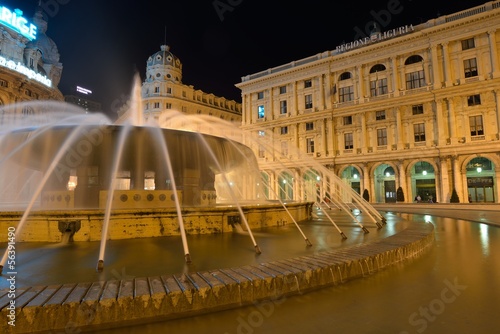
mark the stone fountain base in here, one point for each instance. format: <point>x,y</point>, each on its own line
<point>44,226</point>
<point>98,305</point>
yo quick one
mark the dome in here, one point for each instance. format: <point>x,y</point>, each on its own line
<point>164,57</point>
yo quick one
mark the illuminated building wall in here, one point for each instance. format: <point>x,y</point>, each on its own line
<point>29,59</point>
<point>416,107</point>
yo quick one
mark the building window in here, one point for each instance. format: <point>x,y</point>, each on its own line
<point>308,83</point>
<point>308,101</point>
<point>476,125</point>
<point>378,87</point>
<point>419,132</point>
<point>474,100</point>
<point>260,95</point>
<point>310,145</point>
<point>347,120</point>
<point>345,76</point>
<point>157,105</point>
<point>415,79</point>
<point>470,68</point>
<point>417,109</point>
<point>380,115</point>
<point>157,90</point>
<point>284,130</point>
<point>260,112</point>
<point>382,137</point>
<point>3,83</point>
<point>283,109</point>
<point>309,126</point>
<point>168,105</point>
<point>413,59</point>
<point>282,89</point>
<point>468,44</point>
<point>346,94</point>
<point>284,148</point>
<point>169,90</point>
<point>348,141</point>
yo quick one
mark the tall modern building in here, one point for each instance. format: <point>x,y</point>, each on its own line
<point>29,60</point>
<point>163,92</point>
<point>416,107</point>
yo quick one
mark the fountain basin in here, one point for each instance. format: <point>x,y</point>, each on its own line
<point>43,225</point>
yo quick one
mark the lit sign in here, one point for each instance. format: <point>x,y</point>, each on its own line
<point>377,37</point>
<point>16,21</point>
<point>20,68</point>
<point>83,90</point>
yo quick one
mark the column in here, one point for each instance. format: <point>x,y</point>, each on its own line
<point>451,121</point>
<point>447,65</point>
<point>441,127</point>
<point>324,133</point>
<point>295,107</point>
<point>497,112</point>
<point>363,135</point>
<point>457,178</point>
<point>436,80</point>
<point>399,129</point>
<point>394,79</point>
<point>493,54</point>
<point>402,180</point>
<point>444,191</point>
<point>322,88</point>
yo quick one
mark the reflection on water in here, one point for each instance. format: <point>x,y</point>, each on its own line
<point>450,290</point>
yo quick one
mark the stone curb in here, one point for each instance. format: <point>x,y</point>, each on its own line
<point>114,303</point>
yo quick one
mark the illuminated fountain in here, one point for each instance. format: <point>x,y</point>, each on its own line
<point>63,163</point>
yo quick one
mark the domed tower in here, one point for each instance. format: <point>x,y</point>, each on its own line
<point>164,66</point>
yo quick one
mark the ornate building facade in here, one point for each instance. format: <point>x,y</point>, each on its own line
<point>29,60</point>
<point>162,93</point>
<point>416,108</point>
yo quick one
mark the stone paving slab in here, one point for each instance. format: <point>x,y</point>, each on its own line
<point>94,305</point>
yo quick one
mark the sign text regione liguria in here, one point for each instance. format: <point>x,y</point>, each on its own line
<point>376,37</point>
<point>15,20</point>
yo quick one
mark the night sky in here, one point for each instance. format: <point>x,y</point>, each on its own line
<point>103,44</point>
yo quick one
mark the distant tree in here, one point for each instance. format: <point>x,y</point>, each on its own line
<point>454,197</point>
<point>366,196</point>
<point>400,195</point>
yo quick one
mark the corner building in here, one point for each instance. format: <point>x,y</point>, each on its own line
<point>416,107</point>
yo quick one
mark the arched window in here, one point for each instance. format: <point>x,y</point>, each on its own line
<point>413,59</point>
<point>345,76</point>
<point>377,68</point>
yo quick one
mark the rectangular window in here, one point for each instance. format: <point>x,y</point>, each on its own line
<point>382,137</point>
<point>157,105</point>
<point>347,120</point>
<point>417,109</point>
<point>309,126</point>
<point>476,125</point>
<point>260,95</point>
<point>168,105</point>
<point>378,87</point>
<point>346,94</point>
<point>308,83</point>
<point>415,79</point>
<point>474,100</point>
<point>310,145</point>
<point>419,132</point>
<point>380,115</point>
<point>284,130</point>
<point>284,148</point>
<point>260,112</point>
<point>470,68</point>
<point>308,101</point>
<point>348,141</point>
<point>184,95</point>
<point>468,44</point>
<point>157,90</point>
<point>283,109</point>
<point>282,89</point>
<point>169,91</point>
